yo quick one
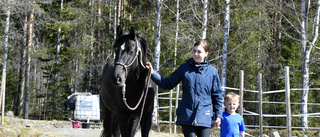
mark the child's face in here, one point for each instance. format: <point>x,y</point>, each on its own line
<point>231,106</point>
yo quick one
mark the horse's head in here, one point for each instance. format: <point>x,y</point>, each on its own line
<point>130,56</point>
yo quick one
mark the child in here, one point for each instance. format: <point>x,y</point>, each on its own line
<point>232,124</point>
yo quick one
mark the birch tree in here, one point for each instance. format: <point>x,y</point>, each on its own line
<point>4,67</point>
<point>205,20</point>
<point>225,44</point>
<point>59,31</point>
<point>175,63</point>
<point>92,24</point>
<point>307,45</point>
<point>157,38</point>
<point>115,5</point>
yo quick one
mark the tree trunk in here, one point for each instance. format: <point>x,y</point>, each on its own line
<point>205,20</point>
<point>28,64</point>
<point>58,36</point>
<point>76,77</point>
<point>258,60</point>
<point>119,11</point>
<point>22,68</point>
<point>115,19</point>
<point>157,50</point>
<point>4,67</point>
<point>306,51</point>
<point>305,67</point>
<point>129,14</point>
<point>280,18</point>
<point>99,48</point>
<point>225,45</point>
<point>175,63</point>
<point>91,44</point>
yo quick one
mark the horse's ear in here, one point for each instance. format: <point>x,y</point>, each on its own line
<point>132,33</point>
<point>119,31</point>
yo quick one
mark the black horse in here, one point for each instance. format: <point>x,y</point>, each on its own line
<point>126,98</point>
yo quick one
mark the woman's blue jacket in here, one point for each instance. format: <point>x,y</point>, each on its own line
<point>202,94</point>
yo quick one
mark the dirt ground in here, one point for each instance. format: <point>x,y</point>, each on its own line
<point>16,127</point>
<point>76,132</point>
<point>96,133</point>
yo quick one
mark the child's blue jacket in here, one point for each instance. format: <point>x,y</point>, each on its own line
<point>202,94</point>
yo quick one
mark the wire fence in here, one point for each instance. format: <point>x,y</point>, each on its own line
<point>242,109</point>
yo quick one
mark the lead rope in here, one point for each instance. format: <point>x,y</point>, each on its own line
<point>146,87</point>
<point>144,101</point>
<point>145,97</point>
<point>124,85</point>
<point>124,94</point>
<point>125,100</point>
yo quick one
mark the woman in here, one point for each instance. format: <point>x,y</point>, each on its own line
<point>202,93</point>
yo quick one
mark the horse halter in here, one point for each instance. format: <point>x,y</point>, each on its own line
<point>135,57</point>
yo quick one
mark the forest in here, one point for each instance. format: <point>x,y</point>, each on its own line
<point>53,48</point>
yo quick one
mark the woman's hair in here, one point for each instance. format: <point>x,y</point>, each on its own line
<point>204,44</point>
<point>231,97</point>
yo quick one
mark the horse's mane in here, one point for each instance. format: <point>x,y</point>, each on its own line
<point>108,65</point>
<point>144,48</point>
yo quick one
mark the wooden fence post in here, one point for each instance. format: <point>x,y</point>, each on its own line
<point>288,105</point>
<point>260,104</point>
<point>241,91</point>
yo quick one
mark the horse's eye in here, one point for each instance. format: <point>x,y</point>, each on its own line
<point>131,52</point>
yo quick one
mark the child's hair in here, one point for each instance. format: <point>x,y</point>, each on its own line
<point>231,97</point>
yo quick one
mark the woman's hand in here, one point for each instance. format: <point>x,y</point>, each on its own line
<point>149,66</point>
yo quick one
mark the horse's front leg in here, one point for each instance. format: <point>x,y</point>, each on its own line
<point>115,127</point>
<point>134,123</point>
<point>146,120</point>
<point>110,125</point>
<point>145,124</point>
<point>128,124</point>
